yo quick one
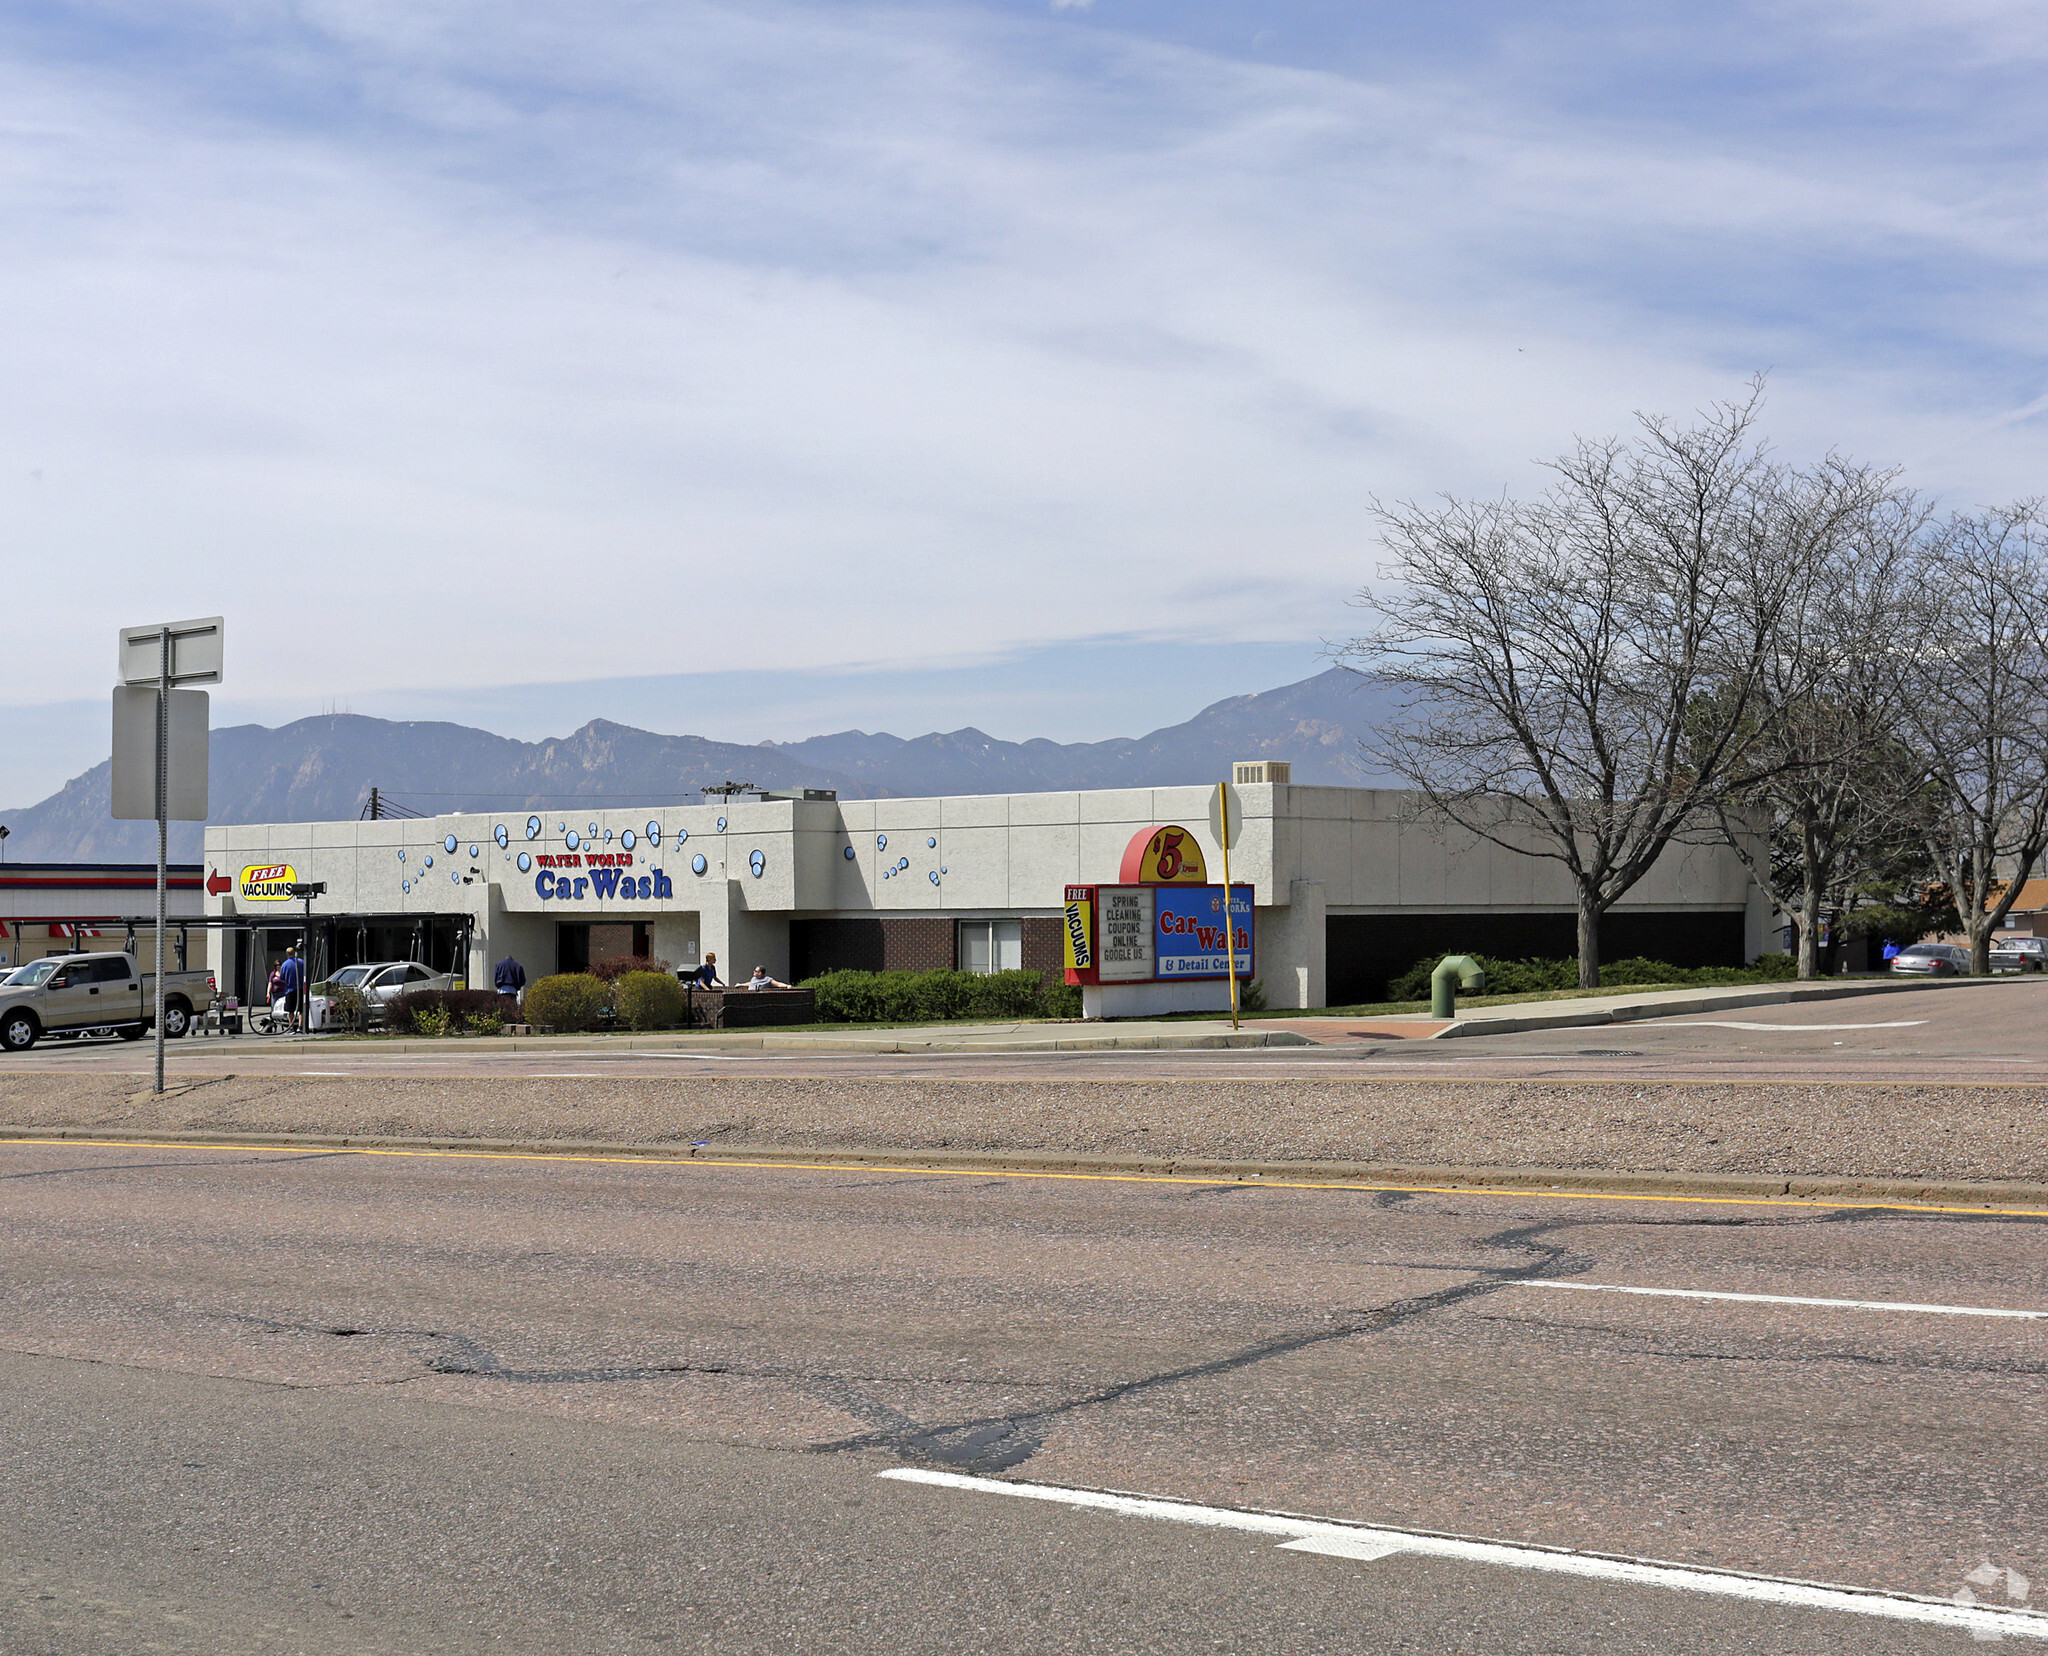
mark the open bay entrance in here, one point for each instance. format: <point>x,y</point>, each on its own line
<point>578,946</point>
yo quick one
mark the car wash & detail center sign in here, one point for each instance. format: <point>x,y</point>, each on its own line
<point>1166,928</point>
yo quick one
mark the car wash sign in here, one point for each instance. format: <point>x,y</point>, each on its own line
<point>1162,922</point>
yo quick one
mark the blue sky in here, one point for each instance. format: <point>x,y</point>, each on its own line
<point>761,370</point>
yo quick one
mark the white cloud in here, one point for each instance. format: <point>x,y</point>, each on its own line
<point>441,345</point>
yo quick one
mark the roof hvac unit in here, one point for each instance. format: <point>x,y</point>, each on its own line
<point>1246,772</point>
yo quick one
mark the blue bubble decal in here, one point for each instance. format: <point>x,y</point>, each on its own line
<point>448,845</point>
<point>698,864</point>
<point>933,876</point>
<point>932,843</point>
<point>401,855</point>
<point>627,841</point>
<point>902,862</point>
<point>681,835</point>
<point>455,876</point>
<point>758,862</point>
<point>533,827</point>
<point>525,863</point>
<point>881,842</point>
<point>572,839</point>
<point>405,886</point>
<point>592,830</point>
<point>428,861</point>
<point>472,853</point>
<point>849,853</point>
<point>502,836</point>
<point>721,825</point>
<point>654,833</point>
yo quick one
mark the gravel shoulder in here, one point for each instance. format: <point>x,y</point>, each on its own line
<point>1974,1133</point>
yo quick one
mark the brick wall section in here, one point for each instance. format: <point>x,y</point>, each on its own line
<point>1045,948</point>
<point>918,945</point>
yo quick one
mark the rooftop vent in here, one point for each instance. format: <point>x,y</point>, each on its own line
<point>1247,772</point>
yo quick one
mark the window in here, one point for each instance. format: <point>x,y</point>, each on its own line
<point>110,971</point>
<point>991,945</point>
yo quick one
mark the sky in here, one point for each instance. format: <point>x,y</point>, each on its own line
<point>761,370</point>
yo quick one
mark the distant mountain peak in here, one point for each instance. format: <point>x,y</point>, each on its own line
<point>321,768</point>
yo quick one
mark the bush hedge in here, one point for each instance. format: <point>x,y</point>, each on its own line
<point>927,997</point>
<point>648,1000</point>
<point>617,966</point>
<point>1535,977</point>
<point>463,1008</point>
<point>568,1001</point>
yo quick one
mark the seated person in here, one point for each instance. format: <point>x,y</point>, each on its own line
<point>761,980</point>
<point>706,975</point>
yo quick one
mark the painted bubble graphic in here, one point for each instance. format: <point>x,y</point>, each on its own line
<point>654,832</point>
<point>472,852</point>
<point>933,876</point>
<point>533,827</point>
<point>627,841</point>
<point>881,842</point>
<point>428,861</point>
<point>502,836</point>
<point>401,856</point>
<point>902,862</point>
<point>525,863</point>
<point>405,886</point>
<point>849,853</point>
<point>932,843</point>
<point>721,825</point>
<point>448,845</point>
<point>698,864</point>
<point>681,835</point>
<point>572,839</point>
<point>758,862</point>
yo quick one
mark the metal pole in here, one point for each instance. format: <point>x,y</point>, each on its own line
<point>163,835</point>
<point>1229,915</point>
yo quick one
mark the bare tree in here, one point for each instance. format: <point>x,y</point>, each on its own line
<point>1976,709</point>
<point>1583,668</point>
<point>1836,796</point>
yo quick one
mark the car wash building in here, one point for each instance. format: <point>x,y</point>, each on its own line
<point>1336,890</point>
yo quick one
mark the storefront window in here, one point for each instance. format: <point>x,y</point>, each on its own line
<point>991,945</point>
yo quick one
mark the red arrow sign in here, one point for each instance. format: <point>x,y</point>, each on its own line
<point>217,883</point>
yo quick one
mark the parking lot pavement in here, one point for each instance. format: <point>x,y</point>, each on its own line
<point>279,1400</point>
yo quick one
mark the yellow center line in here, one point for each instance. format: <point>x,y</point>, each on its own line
<point>1253,1182</point>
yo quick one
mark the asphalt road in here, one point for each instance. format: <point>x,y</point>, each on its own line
<point>1998,1032</point>
<point>289,1402</point>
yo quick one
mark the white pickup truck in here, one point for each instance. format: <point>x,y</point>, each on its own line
<point>94,994</point>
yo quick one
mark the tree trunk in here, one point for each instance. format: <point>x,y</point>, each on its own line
<point>1589,941</point>
<point>1977,927</point>
<point>1809,932</point>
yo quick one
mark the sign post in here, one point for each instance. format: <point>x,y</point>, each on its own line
<point>1229,914</point>
<point>160,743</point>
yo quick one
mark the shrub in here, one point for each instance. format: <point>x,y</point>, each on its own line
<point>610,971</point>
<point>567,1001</point>
<point>487,1023</point>
<point>1535,977</point>
<point>648,1000</point>
<point>462,1008</point>
<point>926,997</point>
<point>1251,997</point>
<point>432,1021</point>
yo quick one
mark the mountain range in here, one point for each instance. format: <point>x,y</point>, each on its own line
<point>322,769</point>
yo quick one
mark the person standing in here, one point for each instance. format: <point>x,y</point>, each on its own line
<point>706,975</point>
<point>509,978</point>
<point>291,980</point>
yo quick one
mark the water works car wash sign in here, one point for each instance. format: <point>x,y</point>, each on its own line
<point>1162,921</point>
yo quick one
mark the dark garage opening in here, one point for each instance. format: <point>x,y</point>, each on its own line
<point>1365,951</point>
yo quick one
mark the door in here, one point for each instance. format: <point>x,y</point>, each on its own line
<point>68,1000</point>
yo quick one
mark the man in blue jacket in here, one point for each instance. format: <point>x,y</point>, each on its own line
<point>509,977</point>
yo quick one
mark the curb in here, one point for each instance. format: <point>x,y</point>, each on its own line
<point>1544,1180</point>
<point>1206,1042</point>
<point>1722,1000</point>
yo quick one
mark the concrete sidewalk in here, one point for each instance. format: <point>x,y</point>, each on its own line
<point>993,1037</point>
<point>1620,1007</point>
<point>1188,1035</point>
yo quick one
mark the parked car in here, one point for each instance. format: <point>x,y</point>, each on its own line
<point>2019,954</point>
<point>1933,960</point>
<point>95,994</point>
<point>381,981</point>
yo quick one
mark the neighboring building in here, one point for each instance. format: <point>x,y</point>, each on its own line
<point>1350,886</point>
<point>59,908</point>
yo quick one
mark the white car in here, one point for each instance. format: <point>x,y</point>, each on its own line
<point>381,981</point>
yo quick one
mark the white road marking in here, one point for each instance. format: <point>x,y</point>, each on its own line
<point>1730,1023</point>
<point>1785,1299</point>
<point>1366,1542</point>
